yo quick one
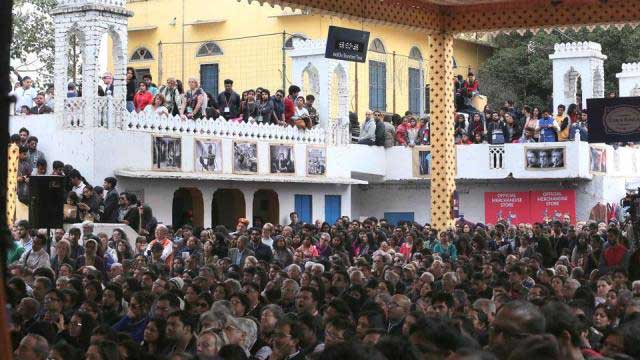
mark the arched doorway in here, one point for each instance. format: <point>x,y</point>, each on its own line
<point>266,207</point>
<point>226,207</point>
<point>188,208</point>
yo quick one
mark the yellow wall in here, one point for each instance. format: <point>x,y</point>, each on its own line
<point>254,62</point>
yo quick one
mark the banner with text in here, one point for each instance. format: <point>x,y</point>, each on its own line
<point>517,207</point>
<point>553,205</point>
<point>512,207</point>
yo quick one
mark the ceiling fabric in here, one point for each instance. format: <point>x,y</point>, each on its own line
<point>473,16</point>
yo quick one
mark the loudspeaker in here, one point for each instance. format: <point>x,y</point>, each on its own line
<point>46,194</point>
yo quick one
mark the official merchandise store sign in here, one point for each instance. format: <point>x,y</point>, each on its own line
<point>529,206</point>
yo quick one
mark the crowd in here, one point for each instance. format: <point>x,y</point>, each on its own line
<point>253,106</point>
<point>507,125</point>
<point>344,289</point>
<point>192,102</point>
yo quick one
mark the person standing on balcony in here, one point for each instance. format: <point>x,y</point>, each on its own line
<point>229,101</point>
<point>249,107</point>
<point>153,89</point>
<point>300,117</point>
<point>278,107</point>
<point>368,133</point>
<point>173,100</point>
<point>313,113</point>
<point>107,78</point>
<point>131,88</point>
<point>41,107</point>
<point>194,101</point>
<point>158,106</point>
<point>496,130</point>
<point>389,133</point>
<point>380,130</point>
<point>25,94</point>
<point>290,104</point>
<point>142,98</point>
<point>580,126</point>
<point>548,127</point>
<point>563,120</point>
<point>265,108</point>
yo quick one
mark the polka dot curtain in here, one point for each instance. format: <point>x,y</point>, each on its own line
<point>12,182</point>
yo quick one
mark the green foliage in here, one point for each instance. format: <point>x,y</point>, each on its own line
<point>520,69</point>
<point>33,32</point>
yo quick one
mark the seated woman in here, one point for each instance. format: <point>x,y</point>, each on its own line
<point>301,117</point>
<point>157,106</point>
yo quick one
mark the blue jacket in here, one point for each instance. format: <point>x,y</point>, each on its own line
<point>136,330</point>
<point>548,133</point>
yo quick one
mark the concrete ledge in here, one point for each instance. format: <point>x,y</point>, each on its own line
<point>177,175</point>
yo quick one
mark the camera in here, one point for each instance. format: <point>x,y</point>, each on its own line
<point>631,204</point>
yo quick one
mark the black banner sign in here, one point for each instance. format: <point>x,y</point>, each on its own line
<point>347,44</point>
<point>614,120</point>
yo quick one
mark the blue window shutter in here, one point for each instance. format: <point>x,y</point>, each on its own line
<point>414,91</point>
<point>303,207</point>
<point>377,85</point>
<point>209,78</point>
<point>396,217</point>
<point>332,208</point>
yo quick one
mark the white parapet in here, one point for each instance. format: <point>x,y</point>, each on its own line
<point>629,80</point>
<point>118,3</point>
<point>573,61</point>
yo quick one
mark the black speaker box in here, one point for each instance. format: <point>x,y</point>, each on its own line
<point>46,194</point>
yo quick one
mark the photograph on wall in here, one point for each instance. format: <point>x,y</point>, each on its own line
<point>167,153</point>
<point>208,155</point>
<point>245,157</point>
<point>281,159</point>
<point>421,161</point>
<point>544,158</point>
<point>316,160</point>
<point>598,161</point>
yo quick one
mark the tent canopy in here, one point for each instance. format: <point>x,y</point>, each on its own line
<point>460,16</point>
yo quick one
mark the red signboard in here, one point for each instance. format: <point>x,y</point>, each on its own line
<point>529,207</point>
<point>553,205</point>
<point>512,207</point>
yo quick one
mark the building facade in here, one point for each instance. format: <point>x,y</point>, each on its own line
<point>244,42</point>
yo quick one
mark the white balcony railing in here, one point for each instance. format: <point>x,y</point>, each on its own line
<point>120,3</point>
<point>151,122</point>
<point>73,113</point>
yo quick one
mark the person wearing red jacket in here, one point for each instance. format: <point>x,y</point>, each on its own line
<point>401,131</point>
<point>142,98</point>
<point>290,104</point>
<point>472,84</point>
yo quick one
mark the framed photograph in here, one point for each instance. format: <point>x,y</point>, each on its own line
<point>316,160</point>
<point>421,162</point>
<point>544,158</point>
<point>245,157</point>
<point>598,159</point>
<point>208,155</point>
<point>167,153</point>
<point>281,159</point>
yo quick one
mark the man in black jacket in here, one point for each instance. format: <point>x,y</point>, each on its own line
<point>110,212</point>
<point>380,132</point>
<point>228,101</point>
